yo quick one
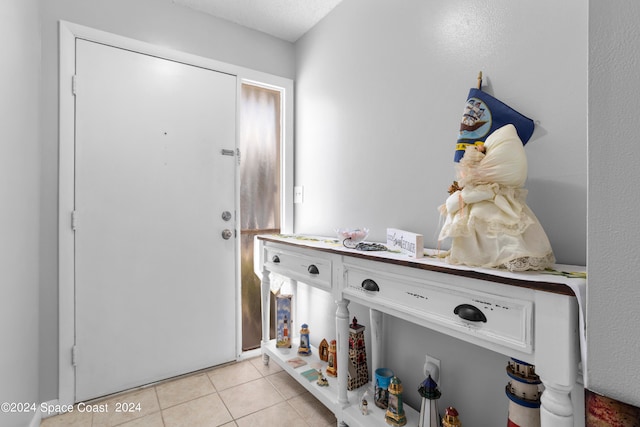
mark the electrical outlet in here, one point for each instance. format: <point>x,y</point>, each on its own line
<point>298,194</point>
<point>432,367</point>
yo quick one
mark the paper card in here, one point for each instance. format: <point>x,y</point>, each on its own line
<point>311,374</point>
<point>408,243</point>
<point>296,362</point>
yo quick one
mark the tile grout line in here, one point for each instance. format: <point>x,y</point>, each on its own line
<point>233,420</point>
<point>265,377</point>
<point>268,376</point>
<point>155,391</point>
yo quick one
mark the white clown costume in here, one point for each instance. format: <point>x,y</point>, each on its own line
<point>488,219</point>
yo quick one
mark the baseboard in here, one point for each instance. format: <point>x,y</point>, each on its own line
<point>37,418</point>
<point>42,412</point>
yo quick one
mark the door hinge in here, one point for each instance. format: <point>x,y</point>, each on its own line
<point>238,155</point>
<point>74,82</point>
<point>74,356</point>
<point>74,220</point>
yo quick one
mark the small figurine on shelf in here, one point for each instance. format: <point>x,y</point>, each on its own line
<point>323,349</point>
<point>332,369</point>
<point>305,348</point>
<point>523,391</point>
<point>381,395</point>
<point>429,416</point>
<point>358,373</point>
<point>364,403</point>
<point>322,380</point>
<point>395,411</point>
<point>450,418</point>
<point>364,407</point>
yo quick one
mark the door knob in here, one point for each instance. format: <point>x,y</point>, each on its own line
<point>226,234</point>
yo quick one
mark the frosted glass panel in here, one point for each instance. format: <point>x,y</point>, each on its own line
<point>260,166</point>
<point>259,194</point>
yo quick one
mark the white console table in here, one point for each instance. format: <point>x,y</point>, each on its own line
<point>530,316</point>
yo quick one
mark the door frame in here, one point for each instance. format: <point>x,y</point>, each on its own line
<point>68,33</point>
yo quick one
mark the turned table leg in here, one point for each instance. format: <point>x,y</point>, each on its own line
<point>375,317</point>
<point>557,356</point>
<point>556,408</point>
<point>342,347</point>
<point>265,292</point>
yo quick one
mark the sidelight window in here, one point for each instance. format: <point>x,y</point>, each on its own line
<point>260,193</point>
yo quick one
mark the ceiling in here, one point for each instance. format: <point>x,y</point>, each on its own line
<point>284,19</point>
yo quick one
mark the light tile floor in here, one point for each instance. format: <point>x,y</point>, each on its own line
<point>243,394</point>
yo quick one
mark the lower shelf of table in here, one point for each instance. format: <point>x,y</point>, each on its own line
<point>353,417</point>
<point>328,395</point>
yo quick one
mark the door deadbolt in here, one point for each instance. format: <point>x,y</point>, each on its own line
<point>226,215</point>
<point>226,234</point>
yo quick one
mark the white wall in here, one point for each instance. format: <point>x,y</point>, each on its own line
<point>19,191</point>
<point>154,21</point>
<point>380,90</point>
<point>614,225</point>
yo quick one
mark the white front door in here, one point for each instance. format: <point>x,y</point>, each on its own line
<point>155,280</point>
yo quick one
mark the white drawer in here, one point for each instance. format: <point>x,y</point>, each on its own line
<point>312,268</point>
<point>484,317</point>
